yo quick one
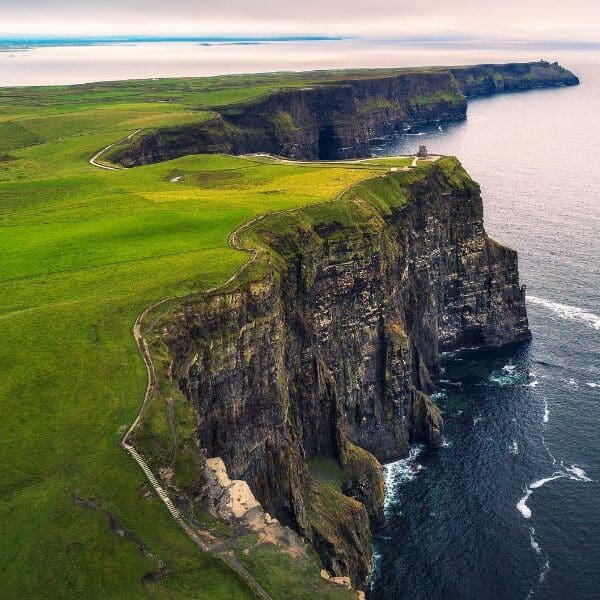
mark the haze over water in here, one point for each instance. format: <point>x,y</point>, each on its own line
<point>510,507</point>
<point>66,64</point>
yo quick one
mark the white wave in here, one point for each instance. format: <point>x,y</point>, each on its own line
<point>546,411</point>
<point>451,353</point>
<point>509,368</point>
<point>540,482</point>
<point>502,379</point>
<point>399,472</point>
<point>566,311</point>
<point>514,448</point>
<point>572,382</point>
<point>439,395</point>
<point>549,453</point>
<point>578,473</point>
<point>448,382</point>
<point>574,472</point>
<point>532,384</point>
<point>477,419</point>
<point>446,443</point>
<point>544,571</point>
<point>592,384</point>
<point>533,541</point>
<point>522,504</point>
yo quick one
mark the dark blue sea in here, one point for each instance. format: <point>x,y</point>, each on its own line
<point>509,507</point>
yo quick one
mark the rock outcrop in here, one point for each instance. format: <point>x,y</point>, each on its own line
<point>330,351</point>
<point>337,119</point>
<point>485,80</point>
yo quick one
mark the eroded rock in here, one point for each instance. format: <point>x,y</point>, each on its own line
<point>331,352</point>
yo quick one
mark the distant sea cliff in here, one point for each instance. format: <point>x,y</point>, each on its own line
<point>337,117</point>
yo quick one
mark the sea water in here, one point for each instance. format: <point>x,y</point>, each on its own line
<point>510,507</point>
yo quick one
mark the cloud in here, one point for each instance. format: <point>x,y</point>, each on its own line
<point>516,19</point>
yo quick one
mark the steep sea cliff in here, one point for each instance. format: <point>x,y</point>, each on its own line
<point>330,120</point>
<point>326,348</point>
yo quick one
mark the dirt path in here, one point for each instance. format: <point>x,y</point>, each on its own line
<point>227,556</point>
<point>94,160</point>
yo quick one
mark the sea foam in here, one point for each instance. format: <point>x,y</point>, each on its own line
<point>577,473</point>
<point>399,472</point>
<point>533,541</point>
<point>566,311</point>
<point>522,504</point>
<point>573,472</point>
<point>540,482</point>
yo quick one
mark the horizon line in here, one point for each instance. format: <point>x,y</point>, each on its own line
<point>456,39</point>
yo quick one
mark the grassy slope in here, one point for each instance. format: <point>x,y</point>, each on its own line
<point>82,252</point>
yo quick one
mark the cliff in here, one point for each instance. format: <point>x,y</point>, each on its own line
<point>337,119</point>
<point>485,80</point>
<point>324,350</point>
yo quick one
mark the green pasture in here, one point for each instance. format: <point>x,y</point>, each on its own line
<point>82,252</point>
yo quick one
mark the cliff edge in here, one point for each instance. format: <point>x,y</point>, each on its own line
<point>336,117</point>
<point>323,352</point>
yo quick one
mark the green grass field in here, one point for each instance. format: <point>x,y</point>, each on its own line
<point>83,252</point>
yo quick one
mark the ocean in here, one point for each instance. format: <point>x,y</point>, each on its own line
<point>509,507</point>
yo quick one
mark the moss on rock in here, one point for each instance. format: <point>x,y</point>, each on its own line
<point>340,531</point>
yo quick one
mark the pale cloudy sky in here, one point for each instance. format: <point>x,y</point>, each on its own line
<point>567,20</point>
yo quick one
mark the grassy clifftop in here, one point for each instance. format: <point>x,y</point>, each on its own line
<point>84,251</point>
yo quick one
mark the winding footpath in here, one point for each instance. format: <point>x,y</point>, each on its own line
<point>228,557</point>
<point>235,242</point>
<point>94,160</point>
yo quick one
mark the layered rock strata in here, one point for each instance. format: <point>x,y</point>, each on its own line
<point>330,352</point>
<point>337,119</point>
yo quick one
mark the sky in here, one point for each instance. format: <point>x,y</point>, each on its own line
<point>558,20</point>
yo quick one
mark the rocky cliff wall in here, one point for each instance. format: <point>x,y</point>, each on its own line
<point>338,121</point>
<point>330,352</point>
<point>485,80</point>
<point>332,120</point>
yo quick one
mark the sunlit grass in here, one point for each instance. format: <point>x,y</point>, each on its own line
<point>82,253</point>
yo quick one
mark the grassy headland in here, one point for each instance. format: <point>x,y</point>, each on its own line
<point>84,251</point>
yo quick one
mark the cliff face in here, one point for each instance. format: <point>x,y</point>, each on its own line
<point>324,122</point>
<point>338,119</point>
<point>485,80</point>
<point>331,352</point>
